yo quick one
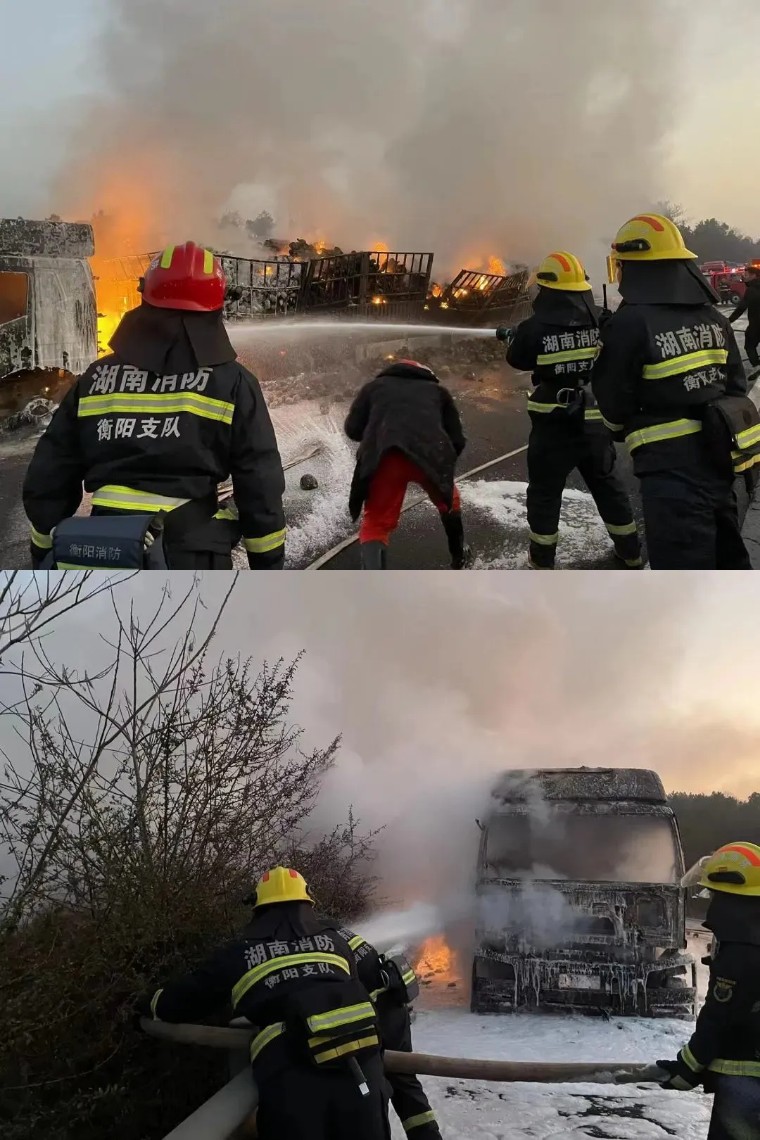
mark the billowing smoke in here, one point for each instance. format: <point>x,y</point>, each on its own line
<point>437,689</point>
<point>470,127</point>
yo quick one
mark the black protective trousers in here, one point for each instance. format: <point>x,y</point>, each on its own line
<point>558,446</point>
<point>751,341</point>
<point>691,517</point>
<point>300,1102</point>
<point>736,1108</point>
<point>407,1094</point>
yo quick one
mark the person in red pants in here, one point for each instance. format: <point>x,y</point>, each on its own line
<point>409,431</point>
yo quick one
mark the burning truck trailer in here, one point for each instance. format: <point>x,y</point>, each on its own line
<point>580,903</point>
<point>48,313</point>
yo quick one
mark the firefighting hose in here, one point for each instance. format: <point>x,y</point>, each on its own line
<point>430,1065</point>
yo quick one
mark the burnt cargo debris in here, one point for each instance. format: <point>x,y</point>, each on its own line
<point>580,903</point>
<point>48,314</point>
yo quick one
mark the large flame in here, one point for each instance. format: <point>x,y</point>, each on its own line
<point>126,233</point>
<point>436,961</point>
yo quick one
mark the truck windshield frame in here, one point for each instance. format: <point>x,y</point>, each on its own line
<point>580,846</point>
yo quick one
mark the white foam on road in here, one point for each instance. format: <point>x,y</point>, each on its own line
<point>582,534</point>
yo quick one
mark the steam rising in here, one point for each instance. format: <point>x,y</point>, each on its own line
<point>465,126</point>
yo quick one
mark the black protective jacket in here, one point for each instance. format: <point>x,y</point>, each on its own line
<point>659,366</point>
<point>407,1094</point>
<point>283,964</point>
<point>558,345</point>
<point>727,1035</point>
<point>405,408</point>
<point>140,441</point>
<point>749,304</point>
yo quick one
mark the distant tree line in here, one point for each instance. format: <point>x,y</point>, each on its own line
<point>707,822</point>
<point>711,239</point>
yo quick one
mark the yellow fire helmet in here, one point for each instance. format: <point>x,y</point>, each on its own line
<point>651,237</point>
<point>733,869</point>
<point>280,885</point>
<point>563,271</point>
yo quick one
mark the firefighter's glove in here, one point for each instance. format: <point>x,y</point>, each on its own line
<point>682,1078</point>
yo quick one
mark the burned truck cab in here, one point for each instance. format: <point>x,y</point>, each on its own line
<point>48,313</point>
<point>579,897</point>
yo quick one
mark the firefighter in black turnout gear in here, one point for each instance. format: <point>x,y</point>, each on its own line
<point>750,304</point>
<point>558,344</point>
<point>409,431</point>
<point>669,379</point>
<point>393,986</point>
<point>152,430</point>
<point>316,1054</point>
<point>723,1053</point>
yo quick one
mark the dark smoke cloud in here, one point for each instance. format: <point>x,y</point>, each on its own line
<point>470,127</point>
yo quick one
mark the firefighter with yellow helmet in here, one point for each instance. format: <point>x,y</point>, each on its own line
<point>558,345</point>
<point>723,1053</point>
<point>669,379</point>
<point>316,1053</point>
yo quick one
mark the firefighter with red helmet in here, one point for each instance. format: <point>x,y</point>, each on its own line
<point>152,430</point>
<point>723,1053</point>
<point>409,431</point>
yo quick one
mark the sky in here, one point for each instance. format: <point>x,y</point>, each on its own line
<point>119,79</point>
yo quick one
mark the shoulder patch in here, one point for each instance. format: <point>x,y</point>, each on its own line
<point>723,990</point>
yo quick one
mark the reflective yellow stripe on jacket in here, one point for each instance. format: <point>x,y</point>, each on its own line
<point>418,1120</point>
<point>735,1068</point>
<point>118,498</point>
<point>266,543</point>
<point>674,429</point>
<point>157,403</point>
<point>286,961</point>
<point>550,358</point>
<point>43,541</point>
<point>678,365</point>
<point>748,455</point>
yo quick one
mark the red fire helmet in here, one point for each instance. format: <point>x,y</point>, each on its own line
<point>185,277</point>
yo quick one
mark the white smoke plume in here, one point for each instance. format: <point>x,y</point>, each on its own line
<point>469,127</point>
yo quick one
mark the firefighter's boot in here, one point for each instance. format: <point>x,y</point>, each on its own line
<point>461,555</point>
<point>373,556</point>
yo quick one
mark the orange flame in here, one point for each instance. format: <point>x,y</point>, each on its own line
<point>436,960</point>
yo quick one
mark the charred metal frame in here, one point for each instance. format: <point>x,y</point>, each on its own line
<point>265,288</point>
<point>626,954</point>
<point>475,298</point>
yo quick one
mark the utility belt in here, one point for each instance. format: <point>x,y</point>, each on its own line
<point>133,540</point>
<point>569,401</point>
<point>730,429</point>
<point>328,1026</point>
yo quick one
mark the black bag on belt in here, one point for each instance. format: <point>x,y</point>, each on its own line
<point>731,431</point>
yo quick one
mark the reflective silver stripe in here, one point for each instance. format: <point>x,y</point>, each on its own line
<point>534,406</point>
<point>544,539</point>
<point>611,426</point>
<point>417,1121</point>
<point>118,498</point>
<point>593,414</point>
<point>690,1060</point>
<point>736,1068</point>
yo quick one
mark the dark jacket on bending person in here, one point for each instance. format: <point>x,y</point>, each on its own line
<point>405,409</point>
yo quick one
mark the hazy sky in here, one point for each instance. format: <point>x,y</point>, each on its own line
<point>705,68</point>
